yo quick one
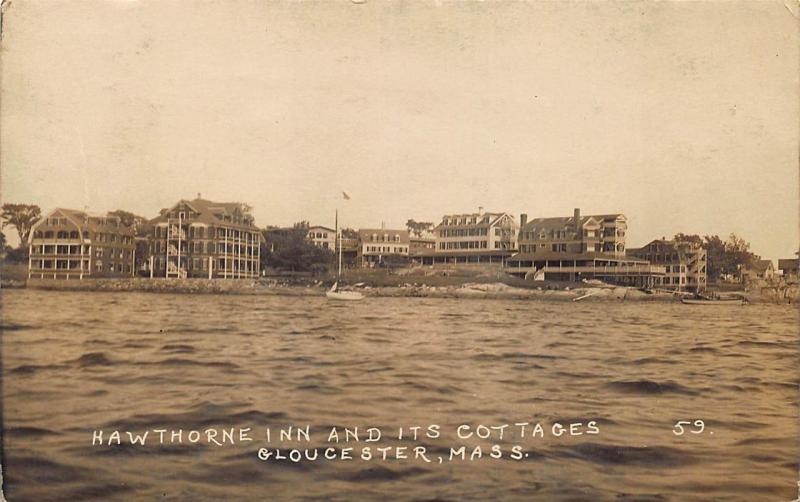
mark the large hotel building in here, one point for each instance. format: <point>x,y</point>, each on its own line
<point>71,244</point>
<point>472,238</point>
<point>201,238</point>
<point>602,234</point>
<point>574,248</point>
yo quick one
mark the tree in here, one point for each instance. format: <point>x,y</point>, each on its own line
<point>2,241</point>
<point>715,256</point>
<point>690,238</point>
<point>22,217</point>
<point>727,257</point>
<point>417,228</point>
<point>289,249</point>
<point>129,219</point>
<point>738,253</point>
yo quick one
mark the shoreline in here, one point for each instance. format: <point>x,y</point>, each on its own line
<point>465,290</point>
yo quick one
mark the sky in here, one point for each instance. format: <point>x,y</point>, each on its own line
<point>681,115</point>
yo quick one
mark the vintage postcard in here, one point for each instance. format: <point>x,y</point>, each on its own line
<point>399,250</point>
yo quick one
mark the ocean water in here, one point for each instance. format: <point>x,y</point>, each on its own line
<point>75,363</point>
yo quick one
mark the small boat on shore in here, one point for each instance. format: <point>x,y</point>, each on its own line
<point>714,301</point>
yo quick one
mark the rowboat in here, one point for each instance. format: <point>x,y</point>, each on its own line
<point>707,301</point>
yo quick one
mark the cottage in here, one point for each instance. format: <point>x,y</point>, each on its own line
<point>381,246</point>
<point>760,269</point>
<point>789,268</point>
<point>322,237</point>
<point>685,262</point>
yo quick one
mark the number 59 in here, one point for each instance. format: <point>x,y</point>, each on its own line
<point>696,427</point>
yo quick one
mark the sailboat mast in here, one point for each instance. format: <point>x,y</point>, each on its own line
<point>338,245</point>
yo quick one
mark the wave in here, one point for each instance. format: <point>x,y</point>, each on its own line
<point>177,361</point>
<point>381,473</point>
<point>29,432</point>
<point>644,456</point>
<point>177,348</point>
<point>93,359</point>
<point>10,326</point>
<point>650,387</point>
<point>28,369</point>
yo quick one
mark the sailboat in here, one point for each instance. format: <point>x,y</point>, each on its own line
<point>334,293</point>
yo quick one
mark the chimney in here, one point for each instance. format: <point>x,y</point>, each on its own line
<point>480,210</point>
<point>523,219</point>
<point>577,216</point>
<point>383,225</point>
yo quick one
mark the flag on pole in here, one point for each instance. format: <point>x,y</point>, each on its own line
<point>346,197</point>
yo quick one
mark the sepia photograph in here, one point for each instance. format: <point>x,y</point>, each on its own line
<point>415,250</point>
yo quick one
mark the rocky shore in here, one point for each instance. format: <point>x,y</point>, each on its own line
<point>266,287</point>
<point>493,290</point>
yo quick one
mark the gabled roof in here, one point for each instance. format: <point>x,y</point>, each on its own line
<point>669,245</point>
<point>320,227</point>
<point>683,249</point>
<point>560,222</point>
<point>610,216</point>
<point>493,218</point>
<point>761,265</point>
<point>364,232</point>
<point>788,264</point>
<point>210,212</point>
<point>88,221</point>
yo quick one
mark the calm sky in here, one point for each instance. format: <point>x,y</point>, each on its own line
<point>683,116</point>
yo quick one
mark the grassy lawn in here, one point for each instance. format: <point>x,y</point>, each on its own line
<point>13,271</point>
